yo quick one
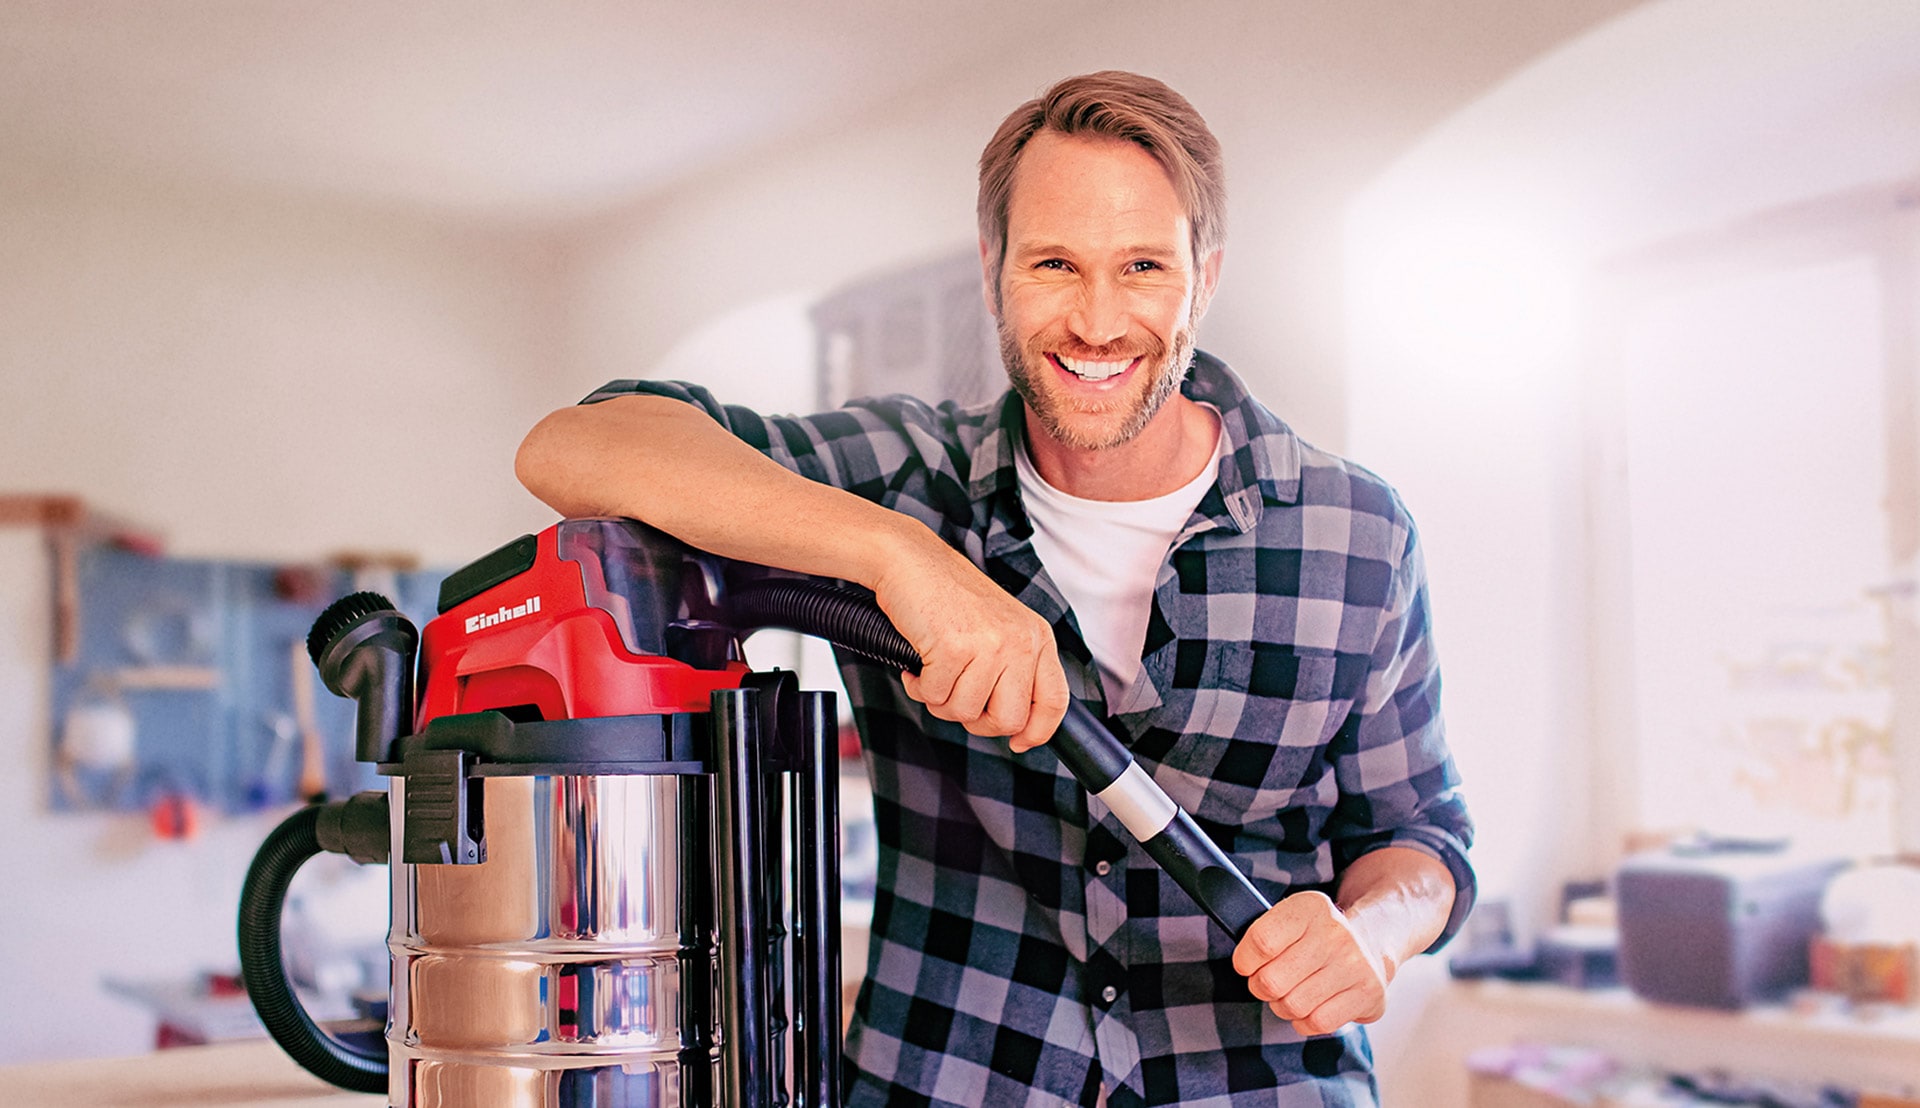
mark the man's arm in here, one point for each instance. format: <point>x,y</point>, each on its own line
<point>988,662</point>
<point>1322,964</point>
<point>1403,882</point>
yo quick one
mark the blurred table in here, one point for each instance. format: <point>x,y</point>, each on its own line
<point>1881,1051</point>
<point>230,1075</point>
<point>213,1008</point>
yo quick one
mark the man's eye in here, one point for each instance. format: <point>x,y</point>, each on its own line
<point>1051,263</point>
<point>1143,266</point>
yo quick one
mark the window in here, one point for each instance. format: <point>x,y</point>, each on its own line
<point>1756,521</point>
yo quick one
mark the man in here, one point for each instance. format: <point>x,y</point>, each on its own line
<point>1248,612</point>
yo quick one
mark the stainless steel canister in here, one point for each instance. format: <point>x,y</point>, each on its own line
<point>575,966</point>
<point>655,932</point>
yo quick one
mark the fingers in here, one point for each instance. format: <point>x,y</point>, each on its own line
<point>930,685</point>
<point>1277,931</point>
<point>988,661</point>
<point>1047,707</point>
<point>1352,1005</point>
<point>967,698</point>
<point>1010,704</point>
<point>1288,971</point>
<point>988,673</point>
<point>972,694</point>
<point>1308,964</point>
<point>986,697</point>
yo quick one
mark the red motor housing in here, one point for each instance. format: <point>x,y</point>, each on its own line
<point>589,618</point>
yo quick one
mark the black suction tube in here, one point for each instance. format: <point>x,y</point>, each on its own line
<point>840,614</point>
<point>262,897</point>
<point>850,618</point>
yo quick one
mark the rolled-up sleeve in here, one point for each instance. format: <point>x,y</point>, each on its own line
<point>1398,783</point>
<point>895,451</point>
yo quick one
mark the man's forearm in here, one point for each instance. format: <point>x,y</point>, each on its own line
<point>665,462</point>
<point>1398,899</point>
<point>987,661</point>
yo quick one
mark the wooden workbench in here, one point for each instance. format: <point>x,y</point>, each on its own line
<point>227,1075</point>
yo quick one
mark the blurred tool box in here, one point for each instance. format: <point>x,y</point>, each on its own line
<point>1719,925</point>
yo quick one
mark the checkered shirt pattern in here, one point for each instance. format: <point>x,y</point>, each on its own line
<point>1025,950</point>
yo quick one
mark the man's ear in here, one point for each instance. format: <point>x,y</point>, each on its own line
<point>1209,280</point>
<point>990,280</point>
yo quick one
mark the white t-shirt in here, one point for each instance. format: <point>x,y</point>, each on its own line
<point>1105,555</point>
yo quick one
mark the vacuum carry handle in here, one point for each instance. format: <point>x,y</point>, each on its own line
<point>852,619</point>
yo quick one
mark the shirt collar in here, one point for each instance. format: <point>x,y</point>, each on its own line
<point>1262,462</point>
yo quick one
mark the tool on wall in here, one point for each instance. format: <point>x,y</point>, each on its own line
<point>593,807</point>
<point>313,749</point>
<point>98,741</point>
<point>69,524</point>
<point>99,733</point>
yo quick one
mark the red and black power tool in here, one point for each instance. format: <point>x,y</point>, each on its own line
<point>615,848</point>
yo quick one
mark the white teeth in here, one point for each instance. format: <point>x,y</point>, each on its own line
<point>1093,371</point>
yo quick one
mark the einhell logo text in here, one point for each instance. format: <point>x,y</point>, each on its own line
<point>482,622</point>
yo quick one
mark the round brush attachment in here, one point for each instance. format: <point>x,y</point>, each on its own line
<point>341,616</point>
<point>365,650</point>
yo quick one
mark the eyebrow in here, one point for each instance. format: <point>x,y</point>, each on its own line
<point>1051,249</point>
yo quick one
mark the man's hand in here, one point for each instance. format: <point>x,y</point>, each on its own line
<point>1320,965</point>
<point>988,662</point>
<point>1307,960</point>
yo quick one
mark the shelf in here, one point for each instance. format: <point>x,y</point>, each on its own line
<point>1773,1041</point>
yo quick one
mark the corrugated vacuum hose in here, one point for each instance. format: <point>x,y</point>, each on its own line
<point>261,899</point>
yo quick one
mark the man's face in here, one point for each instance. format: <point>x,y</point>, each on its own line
<point>1099,293</point>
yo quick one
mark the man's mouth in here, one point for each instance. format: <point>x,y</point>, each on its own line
<point>1089,370</point>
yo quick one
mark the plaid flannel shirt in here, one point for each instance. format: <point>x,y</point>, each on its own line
<point>1025,950</point>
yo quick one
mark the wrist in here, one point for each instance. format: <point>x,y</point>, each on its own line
<point>1397,900</point>
<point>899,544</point>
<point>1375,927</point>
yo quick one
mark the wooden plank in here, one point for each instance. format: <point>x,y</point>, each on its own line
<point>69,523</point>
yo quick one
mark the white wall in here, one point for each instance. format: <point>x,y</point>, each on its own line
<point>264,377</point>
<point>1469,339</point>
<point>254,378</point>
<point>1307,108</point>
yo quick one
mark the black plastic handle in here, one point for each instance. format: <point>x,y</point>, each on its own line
<point>1167,833</point>
<point>852,619</point>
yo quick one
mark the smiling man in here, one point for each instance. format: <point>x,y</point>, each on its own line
<point>1128,526</point>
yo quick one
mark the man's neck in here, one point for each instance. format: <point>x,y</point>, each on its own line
<point>1168,453</point>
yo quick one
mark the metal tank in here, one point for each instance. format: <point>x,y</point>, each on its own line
<point>578,957</point>
<point>614,850</point>
<point>599,955</point>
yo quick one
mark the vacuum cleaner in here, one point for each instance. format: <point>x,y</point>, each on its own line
<point>614,850</point>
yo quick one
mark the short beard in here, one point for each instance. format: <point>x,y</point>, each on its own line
<point>1169,368</point>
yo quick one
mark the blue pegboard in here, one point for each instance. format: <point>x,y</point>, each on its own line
<point>229,742</point>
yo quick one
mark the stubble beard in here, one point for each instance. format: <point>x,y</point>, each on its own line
<point>1028,369</point>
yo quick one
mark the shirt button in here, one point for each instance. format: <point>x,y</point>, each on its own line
<point>1103,867</point>
<point>1109,994</point>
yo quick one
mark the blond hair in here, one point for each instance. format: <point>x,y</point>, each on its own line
<point>1120,105</point>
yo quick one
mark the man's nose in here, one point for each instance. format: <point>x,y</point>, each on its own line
<point>1099,315</point>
